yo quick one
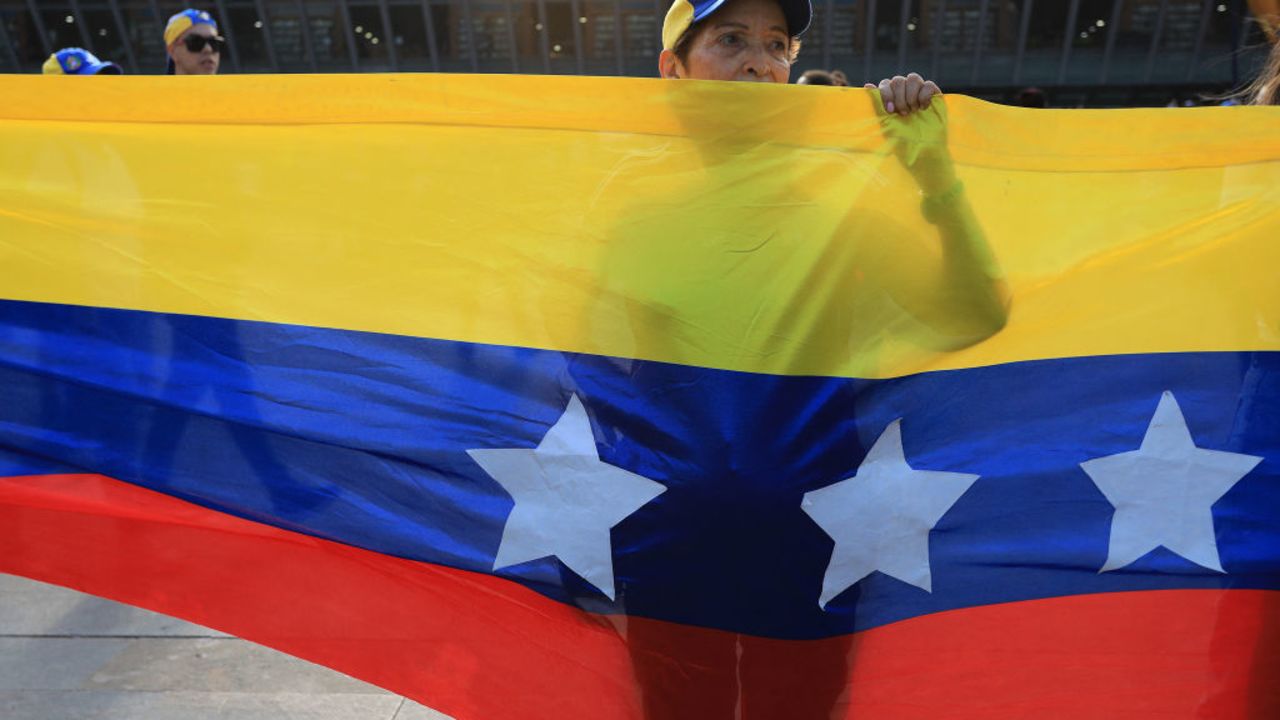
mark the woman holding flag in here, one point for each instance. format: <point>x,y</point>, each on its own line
<point>963,298</point>
<point>915,275</point>
<point>731,236</point>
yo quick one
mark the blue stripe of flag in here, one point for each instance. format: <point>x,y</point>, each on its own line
<point>361,438</point>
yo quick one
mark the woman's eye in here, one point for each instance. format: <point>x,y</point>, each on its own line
<point>779,46</point>
<point>729,39</point>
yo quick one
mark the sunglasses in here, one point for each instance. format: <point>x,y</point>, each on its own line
<point>196,43</point>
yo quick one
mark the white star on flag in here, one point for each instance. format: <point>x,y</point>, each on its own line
<point>881,517</point>
<point>1164,491</point>
<point>566,499</point>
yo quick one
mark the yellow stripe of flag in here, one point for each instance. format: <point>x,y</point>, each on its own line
<point>762,229</point>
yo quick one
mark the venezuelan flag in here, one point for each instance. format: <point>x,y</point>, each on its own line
<point>620,399</point>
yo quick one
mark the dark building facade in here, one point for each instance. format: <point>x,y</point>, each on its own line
<point>1083,51</point>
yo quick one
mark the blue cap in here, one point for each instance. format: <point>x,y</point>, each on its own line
<point>685,13</point>
<point>78,61</point>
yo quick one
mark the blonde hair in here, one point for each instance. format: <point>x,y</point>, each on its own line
<point>1265,90</point>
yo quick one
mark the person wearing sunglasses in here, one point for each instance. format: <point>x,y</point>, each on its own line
<point>195,48</point>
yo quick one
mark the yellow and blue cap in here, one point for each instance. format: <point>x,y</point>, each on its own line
<point>684,14</point>
<point>183,22</point>
<point>78,61</point>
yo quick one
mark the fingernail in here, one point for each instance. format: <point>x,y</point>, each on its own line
<point>888,107</point>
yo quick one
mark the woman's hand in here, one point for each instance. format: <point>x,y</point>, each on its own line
<point>970,299</point>
<point>905,95</point>
<point>917,129</point>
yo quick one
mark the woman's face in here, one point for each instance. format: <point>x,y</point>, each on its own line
<point>743,40</point>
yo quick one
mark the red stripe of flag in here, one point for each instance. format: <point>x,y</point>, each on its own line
<point>477,646</point>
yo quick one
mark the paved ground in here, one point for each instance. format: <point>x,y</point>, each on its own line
<point>69,656</point>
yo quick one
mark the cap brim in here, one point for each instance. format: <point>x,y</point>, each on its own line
<point>701,14</point>
<point>108,68</point>
<point>798,13</point>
